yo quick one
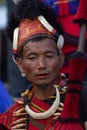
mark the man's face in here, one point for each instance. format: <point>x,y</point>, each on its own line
<point>41,61</point>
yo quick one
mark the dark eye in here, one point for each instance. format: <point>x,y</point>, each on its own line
<point>50,55</point>
<point>32,57</point>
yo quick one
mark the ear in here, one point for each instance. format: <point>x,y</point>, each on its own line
<point>61,58</point>
<point>19,62</point>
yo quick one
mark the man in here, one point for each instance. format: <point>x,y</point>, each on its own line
<point>37,48</point>
<point>39,59</point>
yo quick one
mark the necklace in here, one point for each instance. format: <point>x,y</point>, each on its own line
<point>23,115</point>
<point>47,113</point>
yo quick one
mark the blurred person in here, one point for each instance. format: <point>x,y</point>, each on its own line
<point>5,99</point>
<point>65,12</point>
<point>37,48</point>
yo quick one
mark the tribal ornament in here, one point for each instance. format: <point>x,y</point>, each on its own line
<point>23,118</point>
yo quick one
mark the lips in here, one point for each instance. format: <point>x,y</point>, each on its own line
<point>42,76</point>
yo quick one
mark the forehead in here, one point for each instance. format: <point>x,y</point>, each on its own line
<point>47,44</point>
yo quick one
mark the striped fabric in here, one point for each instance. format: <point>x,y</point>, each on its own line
<point>63,7</point>
<point>65,11</point>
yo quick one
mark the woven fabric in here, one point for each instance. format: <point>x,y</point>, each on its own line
<point>82,11</point>
<point>29,28</point>
<point>63,7</point>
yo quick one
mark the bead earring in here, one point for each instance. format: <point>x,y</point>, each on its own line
<point>23,74</point>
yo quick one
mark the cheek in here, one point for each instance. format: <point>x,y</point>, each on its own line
<point>29,73</point>
<point>55,66</point>
<point>28,68</point>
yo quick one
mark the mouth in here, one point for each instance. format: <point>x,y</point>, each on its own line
<point>42,76</point>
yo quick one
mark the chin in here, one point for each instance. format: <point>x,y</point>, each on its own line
<point>45,83</point>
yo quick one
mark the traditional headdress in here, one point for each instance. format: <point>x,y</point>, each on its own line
<point>35,20</point>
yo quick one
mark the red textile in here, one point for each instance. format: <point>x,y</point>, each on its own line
<point>34,124</point>
<point>68,26</point>
<point>71,105</point>
<point>72,100</point>
<point>63,7</point>
<point>82,11</point>
<point>69,126</point>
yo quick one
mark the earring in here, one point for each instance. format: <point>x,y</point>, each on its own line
<point>60,43</point>
<point>23,74</point>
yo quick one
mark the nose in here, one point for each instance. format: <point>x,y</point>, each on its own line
<point>42,63</point>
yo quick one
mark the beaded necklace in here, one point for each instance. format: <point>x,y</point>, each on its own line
<point>22,123</point>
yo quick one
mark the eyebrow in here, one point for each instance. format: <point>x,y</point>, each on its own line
<point>33,53</point>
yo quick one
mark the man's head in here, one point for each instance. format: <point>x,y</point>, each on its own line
<point>35,45</point>
<point>38,55</point>
<point>41,61</point>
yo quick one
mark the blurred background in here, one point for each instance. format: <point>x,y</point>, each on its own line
<point>3,41</point>
<point>10,76</point>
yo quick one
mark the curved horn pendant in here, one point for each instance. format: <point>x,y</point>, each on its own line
<point>15,40</point>
<point>45,23</point>
<point>47,113</point>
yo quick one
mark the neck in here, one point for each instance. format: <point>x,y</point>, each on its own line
<point>44,91</point>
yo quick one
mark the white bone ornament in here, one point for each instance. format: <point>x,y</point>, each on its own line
<point>44,22</point>
<point>15,39</point>
<point>60,42</point>
<point>15,42</point>
<point>47,113</point>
